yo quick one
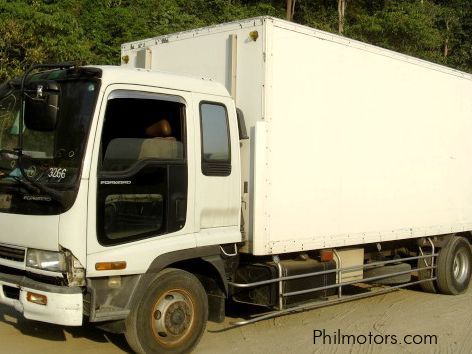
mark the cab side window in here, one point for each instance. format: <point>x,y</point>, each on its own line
<point>216,148</point>
<point>141,128</point>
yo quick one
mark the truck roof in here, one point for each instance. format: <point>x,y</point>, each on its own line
<point>175,81</point>
<point>327,36</point>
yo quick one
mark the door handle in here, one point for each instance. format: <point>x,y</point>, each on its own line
<point>180,209</point>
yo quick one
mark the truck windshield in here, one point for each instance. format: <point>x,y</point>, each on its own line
<point>52,159</point>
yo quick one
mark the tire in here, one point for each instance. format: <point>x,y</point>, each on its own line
<point>454,266</point>
<point>169,314</point>
<point>427,286</point>
<point>389,269</point>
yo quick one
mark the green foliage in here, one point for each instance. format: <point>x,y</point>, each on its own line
<point>38,31</point>
<point>407,27</point>
<point>33,32</point>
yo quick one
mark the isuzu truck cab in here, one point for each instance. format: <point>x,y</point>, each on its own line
<point>208,168</point>
<point>154,185</point>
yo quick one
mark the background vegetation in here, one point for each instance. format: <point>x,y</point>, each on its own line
<point>39,31</point>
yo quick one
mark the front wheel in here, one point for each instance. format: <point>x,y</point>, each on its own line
<point>170,316</point>
<point>454,266</point>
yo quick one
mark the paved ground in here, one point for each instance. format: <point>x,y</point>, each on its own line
<point>400,313</point>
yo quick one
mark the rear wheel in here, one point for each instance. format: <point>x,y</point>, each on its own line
<point>454,266</point>
<point>427,286</point>
<point>170,316</point>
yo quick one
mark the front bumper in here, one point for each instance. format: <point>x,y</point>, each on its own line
<point>64,304</point>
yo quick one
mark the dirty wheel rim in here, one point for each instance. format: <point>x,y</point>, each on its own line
<point>172,317</point>
<point>460,266</point>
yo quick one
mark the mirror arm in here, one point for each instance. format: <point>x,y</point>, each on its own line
<point>64,65</point>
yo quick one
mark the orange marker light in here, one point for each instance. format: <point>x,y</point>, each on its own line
<point>37,298</point>
<point>110,265</point>
<point>326,255</point>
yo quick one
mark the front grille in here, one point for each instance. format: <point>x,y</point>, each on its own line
<point>12,271</point>
<point>12,254</point>
<point>60,281</point>
<point>11,292</point>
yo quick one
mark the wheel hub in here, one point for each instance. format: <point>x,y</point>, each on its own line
<point>177,318</point>
<point>172,316</point>
<point>460,266</point>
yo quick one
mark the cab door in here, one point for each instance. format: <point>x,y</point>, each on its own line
<point>217,207</point>
<point>144,185</point>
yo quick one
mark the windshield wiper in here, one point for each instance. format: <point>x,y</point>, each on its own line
<point>28,182</point>
<point>27,186</point>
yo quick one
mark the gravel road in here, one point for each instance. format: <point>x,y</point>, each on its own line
<point>397,314</point>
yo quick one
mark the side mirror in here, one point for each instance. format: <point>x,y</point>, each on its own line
<point>241,125</point>
<point>42,105</point>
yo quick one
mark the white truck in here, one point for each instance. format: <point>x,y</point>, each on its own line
<point>257,161</point>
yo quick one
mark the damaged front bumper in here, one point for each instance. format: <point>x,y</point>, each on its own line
<point>39,301</point>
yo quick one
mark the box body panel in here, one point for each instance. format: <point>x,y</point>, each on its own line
<point>363,147</point>
<point>349,143</point>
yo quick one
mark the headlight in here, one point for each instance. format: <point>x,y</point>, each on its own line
<point>46,260</point>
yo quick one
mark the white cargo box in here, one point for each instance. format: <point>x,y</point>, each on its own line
<point>349,143</point>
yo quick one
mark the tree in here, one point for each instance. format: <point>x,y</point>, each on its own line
<point>36,31</point>
<point>404,26</point>
<point>455,22</point>
<point>290,9</point>
<point>341,15</point>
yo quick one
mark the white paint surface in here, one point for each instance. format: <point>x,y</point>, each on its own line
<point>359,144</point>
<point>62,309</point>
